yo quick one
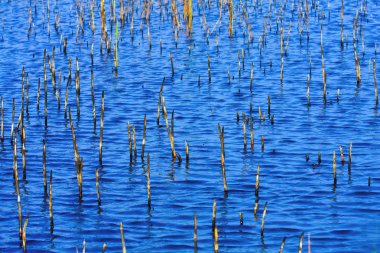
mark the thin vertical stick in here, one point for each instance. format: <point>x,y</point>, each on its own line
<point>251,79</point>
<point>13,118</point>
<point>104,247</point>
<point>97,186</point>
<point>319,158</point>
<point>44,166</point>
<point>15,175</point>
<point>282,245</point>
<point>51,195</point>
<point>334,167</point>
<point>187,152</point>
<point>144,139</point>
<point>101,131</point>
<point>349,158</point>
<point>124,249</point>
<point>216,246</point>
<point>159,102</point>
<point>23,152</point>
<point>213,216</point>
<point>262,143</point>
<point>24,234</point>
<point>134,141</point>
<point>148,182</point>
<point>256,207</point>
<point>263,218</point>
<point>300,244</point>
<point>221,137</point>
<point>257,181</point>
<point>341,154</point>
<point>171,62</point>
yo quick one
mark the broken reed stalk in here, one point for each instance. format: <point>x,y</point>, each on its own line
<point>97,186</point>
<point>104,248</point>
<point>171,62</point>
<point>341,154</point>
<point>324,80</point>
<point>257,181</point>
<point>282,245</point>
<point>263,218</point>
<point>375,81</point>
<point>222,156</point>
<point>170,130</point>
<point>78,160</point>
<point>319,158</point>
<point>77,86</point>
<point>159,102</point>
<point>300,243</point>
<point>124,249</point>
<point>23,151</point>
<point>93,99</point>
<point>195,232</point>
<point>51,195</point>
<point>241,218</point>
<point>2,120</point>
<point>24,234</point>
<point>213,221</point>
<point>144,139</point>
<point>262,143</point>
<point>44,166</point>
<point>334,167</point>
<point>357,67</point>
<point>134,141</point>
<point>101,131</point>
<point>130,141</point>
<point>148,181</point>
<point>216,235</point>
<point>187,152</point>
<point>282,69</point>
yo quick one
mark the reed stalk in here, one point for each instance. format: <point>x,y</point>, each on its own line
<point>171,62</point>
<point>159,102</point>
<point>231,17</point>
<point>300,243</point>
<point>349,158</point>
<point>257,181</point>
<point>124,249</point>
<point>13,119</point>
<point>241,218</point>
<point>216,235</point>
<point>187,152</point>
<point>341,154</point>
<point>23,152</point>
<point>24,234</point>
<point>51,195</point>
<point>262,143</point>
<point>44,166</point>
<point>221,137</point>
<point>97,186</point>
<point>213,221</point>
<point>263,218</point>
<point>282,245</point>
<point>148,182</point>
<point>319,158</point>
<point>334,167</point>
<point>245,133</point>
<point>45,92</point>
<point>251,79</point>
<point>255,208</point>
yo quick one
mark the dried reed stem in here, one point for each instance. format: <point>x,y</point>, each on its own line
<point>262,143</point>
<point>213,221</point>
<point>148,182</point>
<point>300,243</point>
<point>341,154</point>
<point>216,235</point>
<point>349,158</point>
<point>24,234</point>
<point>263,218</point>
<point>44,166</point>
<point>124,249</point>
<point>171,62</point>
<point>221,137</point>
<point>257,181</point>
<point>282,245</point>
<point>159,102</point>
<point>97,186</point>
<point>51,195</point>
<point>187,152</point>
<point>334,167</point>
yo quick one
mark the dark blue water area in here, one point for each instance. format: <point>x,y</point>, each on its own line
<point>301,194</point>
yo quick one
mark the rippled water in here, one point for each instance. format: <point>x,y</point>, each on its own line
<point>301,196</point>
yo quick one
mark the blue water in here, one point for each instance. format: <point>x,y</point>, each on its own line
<point>301,197</point>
